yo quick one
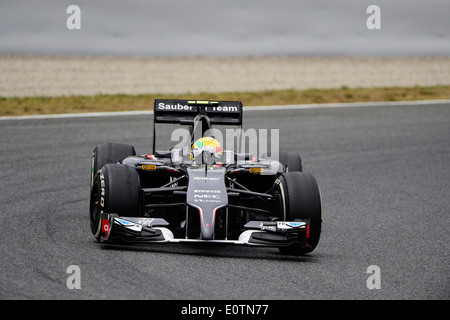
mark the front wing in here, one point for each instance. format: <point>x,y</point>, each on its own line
<point>155,230</point>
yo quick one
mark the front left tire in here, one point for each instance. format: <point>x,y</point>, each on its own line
<point>115,189</point>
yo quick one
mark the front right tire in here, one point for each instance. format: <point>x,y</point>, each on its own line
<point>299,198</point>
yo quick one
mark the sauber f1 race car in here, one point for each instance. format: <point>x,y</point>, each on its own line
<point>199,192</point>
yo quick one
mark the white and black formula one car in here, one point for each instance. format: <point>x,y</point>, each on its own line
<point>198,192</point>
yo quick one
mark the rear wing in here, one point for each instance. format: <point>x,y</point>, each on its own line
<point>184,111</point>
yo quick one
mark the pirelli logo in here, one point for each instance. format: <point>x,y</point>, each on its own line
<point>148,167</point>
<point>256,170</point>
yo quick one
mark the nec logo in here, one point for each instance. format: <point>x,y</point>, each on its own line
<point>207,196</point>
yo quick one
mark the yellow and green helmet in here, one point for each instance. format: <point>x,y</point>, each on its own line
<point>208,144</point>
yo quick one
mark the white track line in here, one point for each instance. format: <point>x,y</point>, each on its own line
<point>349,105</point>
<point>79,115</point>
<point>246,109</point>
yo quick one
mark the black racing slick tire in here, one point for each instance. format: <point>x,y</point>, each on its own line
<point>300,198</point>
<point>116,189</point>
<point>109,153</point>
<point>291,160</point>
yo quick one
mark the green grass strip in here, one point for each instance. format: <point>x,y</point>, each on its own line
<point>16,106</point>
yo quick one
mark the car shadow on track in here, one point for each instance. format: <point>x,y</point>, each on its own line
<point>239,252</point>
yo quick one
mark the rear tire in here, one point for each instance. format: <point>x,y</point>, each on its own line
<point>109,153</point>
<point>300,199</point>
<point>291,160</point>
<point>116,189</point>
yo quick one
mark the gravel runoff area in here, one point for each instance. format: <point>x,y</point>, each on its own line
<point>56,75</point>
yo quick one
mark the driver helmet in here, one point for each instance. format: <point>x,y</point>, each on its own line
<point>208,144</point>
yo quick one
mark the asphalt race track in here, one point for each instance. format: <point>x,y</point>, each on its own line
<point>384,174</point>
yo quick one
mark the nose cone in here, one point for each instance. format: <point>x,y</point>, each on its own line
<point>207,221</point>
<point>207,192</point>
